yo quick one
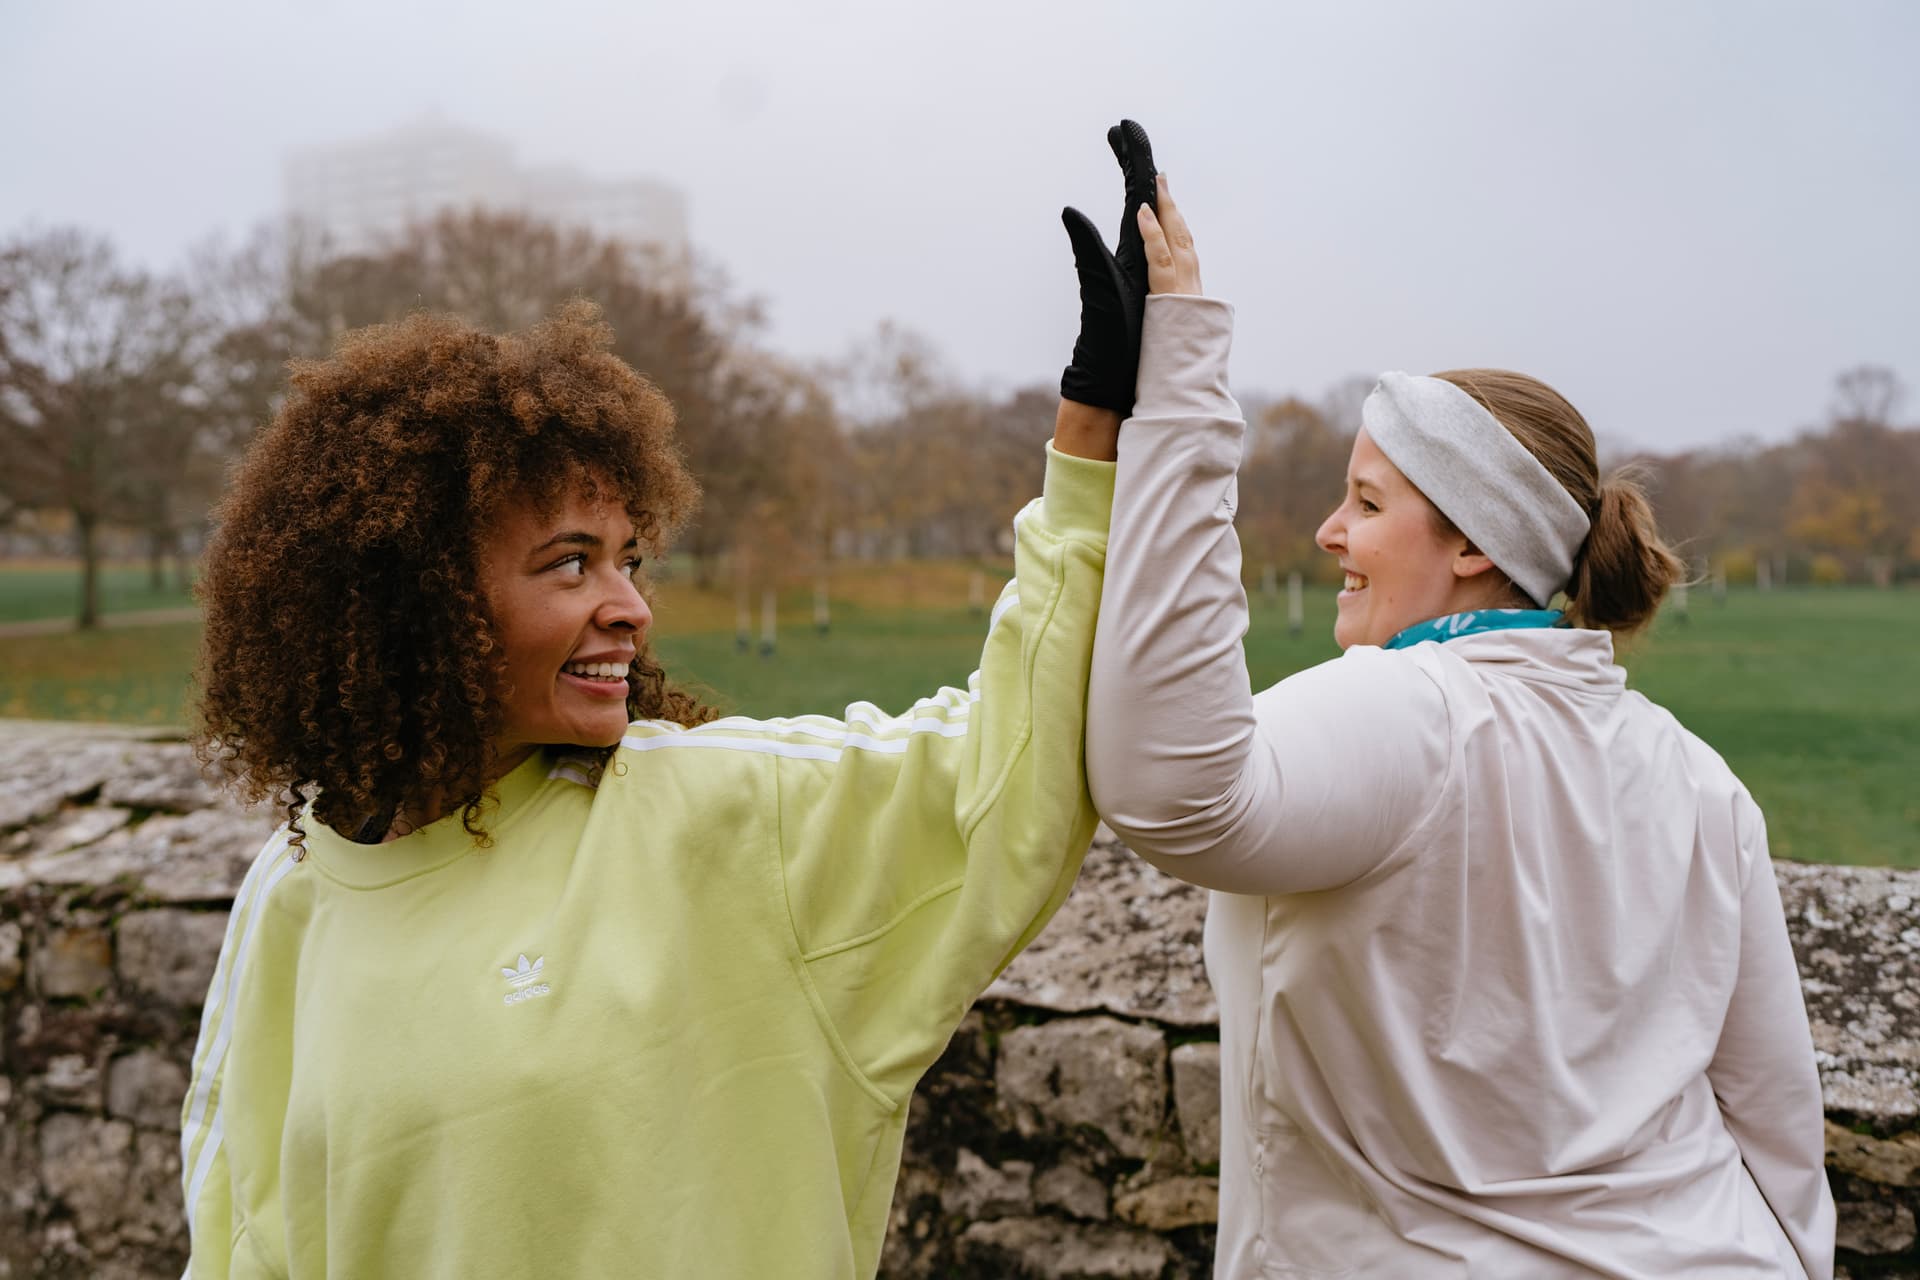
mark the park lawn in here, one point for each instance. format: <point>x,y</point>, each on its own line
<point>1813,696</point>
<point>682,607</point>
<point>134,675</point>
<point>888,657</point>
<point>32,591</point>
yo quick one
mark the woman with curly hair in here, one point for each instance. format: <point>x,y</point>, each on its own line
<point>550,971</point>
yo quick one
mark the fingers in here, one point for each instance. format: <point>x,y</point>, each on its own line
<point>1089,250</point>
<point>1172,264</point>
<point>1135,154</point>
<point>1161,273</point>
<point>1170,216</point>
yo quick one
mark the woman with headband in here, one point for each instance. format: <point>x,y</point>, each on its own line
<point>1505,987</point>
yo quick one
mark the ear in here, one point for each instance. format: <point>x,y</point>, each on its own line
<point>1469,561</point>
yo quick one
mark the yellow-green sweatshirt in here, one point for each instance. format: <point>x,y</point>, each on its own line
<point>668,1023</point>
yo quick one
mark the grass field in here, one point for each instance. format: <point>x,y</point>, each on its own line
<point>53,591</point>
<point>1812,695</point>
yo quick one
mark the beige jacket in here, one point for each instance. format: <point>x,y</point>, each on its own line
<point>1504,982</point>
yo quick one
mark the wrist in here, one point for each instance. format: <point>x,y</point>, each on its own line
<point>1086,431</point>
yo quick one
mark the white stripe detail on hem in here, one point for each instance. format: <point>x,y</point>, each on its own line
<point>216,1055</point>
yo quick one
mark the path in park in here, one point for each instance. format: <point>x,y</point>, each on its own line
<point>138,618</point>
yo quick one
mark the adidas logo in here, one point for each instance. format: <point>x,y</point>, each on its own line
<point>525,979</point>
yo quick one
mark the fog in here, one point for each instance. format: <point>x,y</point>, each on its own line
<point>1689,218</point>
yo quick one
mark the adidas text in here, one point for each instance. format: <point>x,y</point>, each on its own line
<point>524,979</point>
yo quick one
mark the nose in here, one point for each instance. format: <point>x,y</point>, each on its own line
<point>1331,536</point>
<point>623,608</point>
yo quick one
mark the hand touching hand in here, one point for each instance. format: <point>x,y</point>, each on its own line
<point>1113,285</point>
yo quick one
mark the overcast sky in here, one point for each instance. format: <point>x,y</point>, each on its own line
<point>1687,216</point>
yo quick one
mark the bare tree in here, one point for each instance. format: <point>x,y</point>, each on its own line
<point>1293,476</point>
<point>1855,491</point>
<point>1867,393</point>
<point>752,427</point>
<point>95,364</point>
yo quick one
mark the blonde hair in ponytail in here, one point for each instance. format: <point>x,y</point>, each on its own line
<point>1623,569</point>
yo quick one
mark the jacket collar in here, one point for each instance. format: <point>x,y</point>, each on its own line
<point>1557,655</point>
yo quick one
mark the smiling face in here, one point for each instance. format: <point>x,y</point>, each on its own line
<point>570,619</point>
<point>1403,564</point>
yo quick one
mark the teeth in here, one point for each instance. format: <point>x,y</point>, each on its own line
<point>597,670</point>
<point>1355,582</point>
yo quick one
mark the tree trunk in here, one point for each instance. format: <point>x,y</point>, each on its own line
<point>89,573</point>
<point>157,560</point>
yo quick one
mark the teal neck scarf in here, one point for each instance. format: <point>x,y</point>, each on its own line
<point>1455,625</point>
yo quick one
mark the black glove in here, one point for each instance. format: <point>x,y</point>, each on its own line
<point>1113,285</point>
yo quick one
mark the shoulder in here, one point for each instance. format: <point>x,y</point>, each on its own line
<point>278,875</point>
<point>1728,815</point>
<point>1707,768</point>
<point>1379,686</point>
<point>276,859</point>
<point>1366,667</point>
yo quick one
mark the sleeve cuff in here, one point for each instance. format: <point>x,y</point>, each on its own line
<point>1184,346</point>
<point>1078,495</point>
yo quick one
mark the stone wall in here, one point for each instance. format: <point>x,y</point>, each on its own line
<point>1071,1129</point>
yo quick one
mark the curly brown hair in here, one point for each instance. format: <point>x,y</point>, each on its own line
<point>350,658</point>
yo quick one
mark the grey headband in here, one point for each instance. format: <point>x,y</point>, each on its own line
<point>1480,477</point>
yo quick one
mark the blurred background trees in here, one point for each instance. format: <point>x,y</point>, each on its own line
<point>124,395</point>
<point>100,398</point>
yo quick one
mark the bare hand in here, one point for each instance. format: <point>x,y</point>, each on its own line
<point>1172,265</point>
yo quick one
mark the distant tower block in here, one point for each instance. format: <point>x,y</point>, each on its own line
<point>822,618</point>
<point>743,619</point>
<point>767,638</point>
<point>1720,585</point>
<point>1763,574</point>
<point>358,192</point>
<point>1270,584</point>
<point>976,593</point>
<point>1296,603</point>
<point>1680,601</point>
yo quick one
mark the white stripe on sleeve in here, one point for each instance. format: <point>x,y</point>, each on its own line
<point>223,1035</point>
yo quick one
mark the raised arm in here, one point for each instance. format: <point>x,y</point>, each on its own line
<point>1298,790</point>
<point>920,852</point>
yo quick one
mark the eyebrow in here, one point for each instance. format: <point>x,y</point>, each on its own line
<point>576,538</point>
